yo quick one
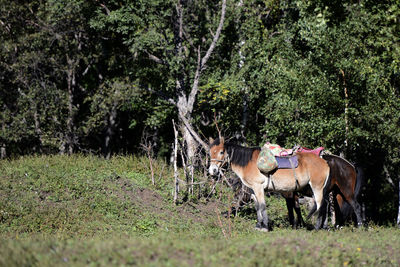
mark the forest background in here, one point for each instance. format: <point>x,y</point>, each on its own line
<point>108,76</point>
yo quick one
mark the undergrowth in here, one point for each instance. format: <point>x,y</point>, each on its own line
<point>84,210</point>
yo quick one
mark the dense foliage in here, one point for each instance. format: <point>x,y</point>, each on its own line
<point>100,76</point>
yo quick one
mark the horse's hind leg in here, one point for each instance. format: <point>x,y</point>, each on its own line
<point>262,217</point>
<point>357,210</point>
<point>321,214</point>
<point>320,206</point>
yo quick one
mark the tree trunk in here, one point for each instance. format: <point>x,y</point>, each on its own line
<point>38,131</point>
<point>70,136</point>
<point>346,116</point>
<point>176,181</point>
<point>398,214</point>
<point>3,153</point>
<point>70,119</point>
<point>185,109</point>
<point>185,103</point>
<point>111,123</point>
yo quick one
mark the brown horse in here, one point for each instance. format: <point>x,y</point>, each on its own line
<point>346,182</point>
<point>311,170</point>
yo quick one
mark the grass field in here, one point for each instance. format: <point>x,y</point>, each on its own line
<point>87,211</point>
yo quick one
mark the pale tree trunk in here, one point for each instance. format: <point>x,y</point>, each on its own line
<point>245,113</point>
<point>70,134</point>
<point>111,124</point>
<point>185,103</point>
<point>398,214</point>
<point>38,130</point>
<point>176,174</point>
<point>185,97</point>
<point>3,151</point>
<point>346,116</point>
<point>191,145</point>
<point>71,137</point>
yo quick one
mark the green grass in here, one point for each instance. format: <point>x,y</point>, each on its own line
<point>84,210</point>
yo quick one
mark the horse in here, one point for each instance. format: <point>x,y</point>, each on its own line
<point>311,170</point>
<point>346,183</point>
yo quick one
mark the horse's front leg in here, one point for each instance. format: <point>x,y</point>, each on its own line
<point>262,217</point>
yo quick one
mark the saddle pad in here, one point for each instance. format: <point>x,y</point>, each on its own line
<point>284,162</point>
<point>315,151</point>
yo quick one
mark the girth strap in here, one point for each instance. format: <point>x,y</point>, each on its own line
<point>294,174</point>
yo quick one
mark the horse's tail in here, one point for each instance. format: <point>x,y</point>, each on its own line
<point>359,181</point>
<point>346,210</point>
<point>312,211</point>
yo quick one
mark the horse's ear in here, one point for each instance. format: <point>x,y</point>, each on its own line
<point>211,140</point>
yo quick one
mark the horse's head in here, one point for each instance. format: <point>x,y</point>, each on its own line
<point>217,155</point>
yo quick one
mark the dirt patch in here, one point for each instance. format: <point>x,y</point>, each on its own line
<point>150,201</point>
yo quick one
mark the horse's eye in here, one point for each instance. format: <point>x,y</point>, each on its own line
<point>221,153</point>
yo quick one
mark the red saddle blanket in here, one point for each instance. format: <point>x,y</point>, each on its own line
<point>316,151</point>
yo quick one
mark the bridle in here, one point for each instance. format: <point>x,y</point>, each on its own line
<point>223,161</point>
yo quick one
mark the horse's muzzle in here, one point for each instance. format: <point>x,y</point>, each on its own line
<point>213,169</point>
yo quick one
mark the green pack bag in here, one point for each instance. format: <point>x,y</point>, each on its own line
<point>266,161</point>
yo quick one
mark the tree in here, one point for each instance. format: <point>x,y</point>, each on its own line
<point>173,35</point>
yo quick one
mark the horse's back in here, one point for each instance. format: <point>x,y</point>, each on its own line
<point>343,173</point>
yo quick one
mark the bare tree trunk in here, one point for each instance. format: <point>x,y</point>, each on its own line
<point>185,103</point>
<point>70,137</point>
<point>38,131</point>
<point>398,214</point>
<point>71,113</point>
<point>111,123</point>
<point>245,112</point>
<point>176,181</point>
<point>346,116</point>
<point>3,151</point>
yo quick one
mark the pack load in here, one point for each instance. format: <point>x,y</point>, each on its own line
<point>266,161</point>
<point>279,151</point>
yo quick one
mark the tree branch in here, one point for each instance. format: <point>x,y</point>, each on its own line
<point>216,36</point>
<point>155,58</point>
<point>202,63</point>
<point>192,132</point>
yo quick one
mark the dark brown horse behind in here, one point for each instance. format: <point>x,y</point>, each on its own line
<point>346,183</point>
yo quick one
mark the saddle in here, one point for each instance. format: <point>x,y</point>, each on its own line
<point>287,162</point>
<point>287,158</point>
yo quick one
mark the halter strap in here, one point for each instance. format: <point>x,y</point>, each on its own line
<point>218,160</point>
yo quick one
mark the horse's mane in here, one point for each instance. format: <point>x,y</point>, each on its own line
<point>238,155</point>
